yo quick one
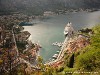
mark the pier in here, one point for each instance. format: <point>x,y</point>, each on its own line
<point>70,32</point>
<point>61,53</point>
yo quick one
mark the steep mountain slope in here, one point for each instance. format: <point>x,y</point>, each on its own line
<point>43,5</point>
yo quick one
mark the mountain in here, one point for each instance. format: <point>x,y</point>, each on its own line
<point>39,6</point>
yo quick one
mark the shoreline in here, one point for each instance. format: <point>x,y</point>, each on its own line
<point>61,52</point>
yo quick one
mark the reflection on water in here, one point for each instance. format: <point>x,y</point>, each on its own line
<point>50,30</point>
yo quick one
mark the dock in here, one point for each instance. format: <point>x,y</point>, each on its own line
<point>61,53</point>
<point>70,31</point>
<point>59,44</point>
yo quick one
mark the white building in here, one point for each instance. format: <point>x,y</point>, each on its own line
<point>48,13</point>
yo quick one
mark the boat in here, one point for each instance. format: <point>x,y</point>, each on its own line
<point>53,59</point>
<point>55,56</point>
<point>68,29</point>
<point>55,43</point>
<point>59,44</point>
<point>25,24</point>
<point>58,51</point>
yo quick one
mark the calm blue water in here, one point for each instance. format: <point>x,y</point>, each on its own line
<point>51,30</point>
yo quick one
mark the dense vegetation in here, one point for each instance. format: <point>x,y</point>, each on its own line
<point>89,60</point>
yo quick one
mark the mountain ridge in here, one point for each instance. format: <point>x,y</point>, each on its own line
<point>36,6</point>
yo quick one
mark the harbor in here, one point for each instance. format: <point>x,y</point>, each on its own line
<point>49,37</point>
<point>58,57</point>
<point>70,45</point>
<point>51,30</point>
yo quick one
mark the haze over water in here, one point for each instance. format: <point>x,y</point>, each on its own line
<point>50,30</point>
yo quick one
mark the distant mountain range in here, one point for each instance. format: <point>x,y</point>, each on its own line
<point>39,6</point>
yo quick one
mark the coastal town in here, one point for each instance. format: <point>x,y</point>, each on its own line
<point>49,37</point>
<point>70,45</point>
<point>25,47</point>
<point>16,48</point>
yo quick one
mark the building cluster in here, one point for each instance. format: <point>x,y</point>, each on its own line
<point>23,36</point>
<point>71,44</point>
<point>79,42</point>
<point>5,37</point>
<point>11,34</point>
<point>75,43</point>
<point>9,26</point>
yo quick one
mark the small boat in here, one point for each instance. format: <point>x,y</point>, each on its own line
<point>58,51</point>
<point>53,59</point>
<point>55,55</point>
<point>54,44</point>
<point>57,44</point>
